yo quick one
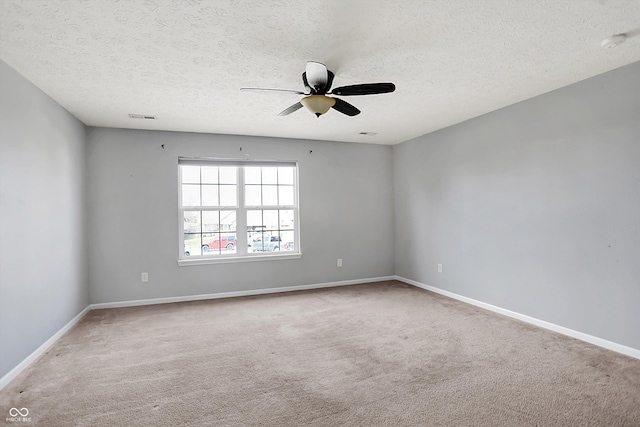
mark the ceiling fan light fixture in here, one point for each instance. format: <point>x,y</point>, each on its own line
<point>318,104</point>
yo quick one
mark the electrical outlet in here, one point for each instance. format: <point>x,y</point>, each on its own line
<point>439,268</point>
<point>339,262</point>
<point>144,277</point>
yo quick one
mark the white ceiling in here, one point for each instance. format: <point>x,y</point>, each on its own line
<point>184,61</point>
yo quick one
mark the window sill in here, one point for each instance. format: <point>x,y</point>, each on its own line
<point>230,260</point>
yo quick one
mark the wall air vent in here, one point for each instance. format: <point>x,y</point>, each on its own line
<point>368,133</point>
<point>141,116</point>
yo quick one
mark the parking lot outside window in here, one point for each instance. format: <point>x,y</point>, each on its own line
<point>237,209</point>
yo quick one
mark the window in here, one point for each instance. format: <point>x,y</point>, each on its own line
<point>232,210</point>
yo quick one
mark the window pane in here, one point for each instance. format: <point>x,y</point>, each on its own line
<point>211,243</point>
<point>269,242</point>
<point>265,242</point>
<point>228,220</point>
<point>192,222</point>
<point>192,245</point>
<point>228,175</point>
<point>269,175</point>
<point>269,195</point>
<point>272,243</point>
<point>190,174</point>
<point>190,195</point>
<point>287,238</point>
<point>287,219</point>
<point>285,175</point>
<point>255,242</point>
<point>270,219</point>
<point>254,229</point>
<point>252,175</point>
<point>285,195</point>
<point>228,195</point>
<point>219,243</point>
<point>210,195</point>
<point>227,243</point>
<point>252,195</point>
<point>254,220</point>
<point>209,175</point>
<point>210,221</point>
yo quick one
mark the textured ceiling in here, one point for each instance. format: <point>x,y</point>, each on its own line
<point>184,61</point>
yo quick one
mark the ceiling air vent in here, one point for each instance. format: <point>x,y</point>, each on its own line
<point>141,116</point>
<point>368,133</point>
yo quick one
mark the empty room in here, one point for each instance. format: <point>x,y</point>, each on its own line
<point>319,213</point>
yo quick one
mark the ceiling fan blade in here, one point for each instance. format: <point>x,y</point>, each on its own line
<point>364,89</point>
<point>274,90</point>
<point>345,108</point>
<point>317,75</point>
<point>294,107</point>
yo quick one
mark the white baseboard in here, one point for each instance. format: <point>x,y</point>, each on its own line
<point>152,301</point>
<point>609,345</point>
<point>41,350</point>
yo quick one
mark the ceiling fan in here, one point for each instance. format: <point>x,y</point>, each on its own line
<point>317,82</point>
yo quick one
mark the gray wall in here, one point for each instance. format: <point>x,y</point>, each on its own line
<point>43,252</point>
<point>534,208</point>
<point>346,211</point>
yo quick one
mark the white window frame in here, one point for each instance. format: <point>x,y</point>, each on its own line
<point>242,254</point>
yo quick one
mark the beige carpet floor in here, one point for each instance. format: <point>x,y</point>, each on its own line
<point>364,355</point>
